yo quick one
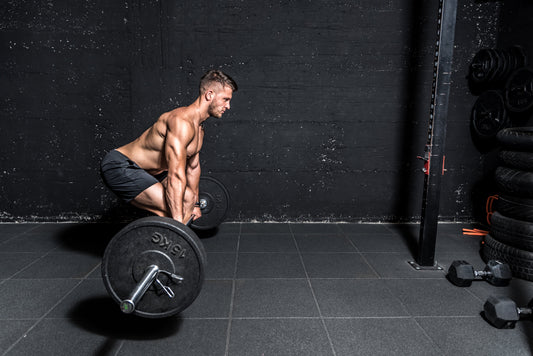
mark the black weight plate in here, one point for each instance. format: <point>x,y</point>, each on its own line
<point>481,66</point>
<point>519,90</point>
<point>161,241</point>
<point>488,114</point>
<point>519,56</point>
<point>216,199</point>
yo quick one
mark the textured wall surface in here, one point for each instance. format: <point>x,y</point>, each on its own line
<point>331,112</point>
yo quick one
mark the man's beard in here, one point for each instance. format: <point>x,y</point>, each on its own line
<point>213,111</point>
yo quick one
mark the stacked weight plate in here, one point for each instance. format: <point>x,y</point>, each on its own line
<point>493,66</point>
<point>504,84</point>
<point>511,234</point>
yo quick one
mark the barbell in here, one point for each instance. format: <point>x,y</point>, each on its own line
<point>155,266</point>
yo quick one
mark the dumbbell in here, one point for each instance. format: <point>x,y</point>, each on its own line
<point>462,273</point>
<point>503,313</point>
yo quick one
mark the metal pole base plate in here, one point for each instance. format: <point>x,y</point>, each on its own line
<point>418,267</point>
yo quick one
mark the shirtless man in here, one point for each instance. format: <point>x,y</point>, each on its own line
<point>160,170</point>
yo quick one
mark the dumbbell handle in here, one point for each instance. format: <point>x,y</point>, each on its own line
<point>525,311</point>
<point>482,273</point>
<point>128,305</point>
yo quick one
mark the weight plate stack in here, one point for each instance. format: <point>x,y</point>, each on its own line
<point>490,68</point>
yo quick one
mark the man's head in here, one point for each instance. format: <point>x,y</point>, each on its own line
<point>217,88</point>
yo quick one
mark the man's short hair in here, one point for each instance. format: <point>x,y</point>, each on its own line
<point>216,76</point>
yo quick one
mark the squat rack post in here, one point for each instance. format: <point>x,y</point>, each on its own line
<point>434,150</point>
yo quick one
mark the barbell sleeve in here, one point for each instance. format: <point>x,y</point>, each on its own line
<point>128,305</point>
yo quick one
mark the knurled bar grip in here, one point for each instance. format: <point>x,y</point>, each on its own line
<point>189,222</point>
<point>128,305</point>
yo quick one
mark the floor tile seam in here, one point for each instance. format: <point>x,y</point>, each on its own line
<point>394,295</point>
<point>207,318</point>
<point>324,278</point>
<point>370,265</point>
<point>14,276</point>
<point>16,236</point>
<point>61,251</point>
<point>33,228</point>
<point>325,318</point>
<point>428,336</point>
<point>50,278</point>
<point>317,305</point>
<point>9,239</point>
<point>473,294</point>
<point>447,316</point>
<point>18,319</point>
<point>221,252</point>
<point>304,252</point>
<point>98,266</point>
<point>42,317</point>
<point>233,292</point>
<point>277,318</point>
<point>262,233</point>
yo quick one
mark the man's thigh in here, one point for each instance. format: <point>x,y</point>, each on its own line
<point>153,199</point>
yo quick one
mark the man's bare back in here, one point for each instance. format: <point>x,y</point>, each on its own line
<point>171,145</point>
<point>148,151</point>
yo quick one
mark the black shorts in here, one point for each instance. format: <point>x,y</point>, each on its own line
<point>124,177</point>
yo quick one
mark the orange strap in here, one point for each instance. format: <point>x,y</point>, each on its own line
<point>488,207</point>
<point>475,232</point>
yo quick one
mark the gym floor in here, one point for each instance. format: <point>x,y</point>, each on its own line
<point>270,289</point>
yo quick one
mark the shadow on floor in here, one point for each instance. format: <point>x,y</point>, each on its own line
<point>102,316</point>
<point>91,238</point>
<point>409,233</point>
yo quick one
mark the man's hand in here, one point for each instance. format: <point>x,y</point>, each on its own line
<point>197,212</point>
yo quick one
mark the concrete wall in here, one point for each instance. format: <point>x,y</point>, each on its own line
<point>331,112</point>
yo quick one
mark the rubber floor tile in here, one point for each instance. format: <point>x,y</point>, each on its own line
<point>379,336</point>
<point>189,337</point>
<point>273,298</point>
<point>293,337</point>
<point>474,336</point>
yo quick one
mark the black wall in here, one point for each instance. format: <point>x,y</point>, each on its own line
<point>331,112</point>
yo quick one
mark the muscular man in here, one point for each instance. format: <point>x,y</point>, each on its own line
<point>160,170</point>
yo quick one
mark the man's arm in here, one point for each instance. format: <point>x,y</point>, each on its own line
<point>193,175</point>
<point>179,135</point>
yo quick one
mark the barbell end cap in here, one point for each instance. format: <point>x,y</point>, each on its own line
<point>127,306</point>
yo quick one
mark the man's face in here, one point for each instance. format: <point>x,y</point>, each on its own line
<point>221,101</point>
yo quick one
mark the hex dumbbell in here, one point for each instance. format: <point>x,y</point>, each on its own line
<point>503,313</point>
<point>462,273</point>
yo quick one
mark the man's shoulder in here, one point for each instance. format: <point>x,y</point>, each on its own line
<point>179,114</point>
<point>179,121</point>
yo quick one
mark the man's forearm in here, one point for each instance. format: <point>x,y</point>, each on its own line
<point>175,193</point>
<point>193,181</point>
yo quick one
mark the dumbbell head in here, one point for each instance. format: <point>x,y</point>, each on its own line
<point>499,274</point>
<point>501,312</point>
<point>461,273</point>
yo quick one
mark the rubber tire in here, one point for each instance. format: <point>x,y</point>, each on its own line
<point>516,208</point>
<point>512,232</point>
<point>515,182</point>
<point>520,261</point>
<point>516,138</point>
<point>518,160</point>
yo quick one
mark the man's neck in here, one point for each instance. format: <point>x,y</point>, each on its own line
<point>201,111</point>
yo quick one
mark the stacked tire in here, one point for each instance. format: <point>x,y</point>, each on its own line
<point>511,233</point>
